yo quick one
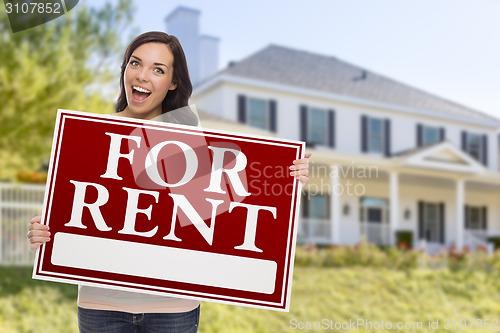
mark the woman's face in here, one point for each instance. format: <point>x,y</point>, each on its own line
<point>147,79</point>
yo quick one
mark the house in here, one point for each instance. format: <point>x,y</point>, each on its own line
<point>390,162</point>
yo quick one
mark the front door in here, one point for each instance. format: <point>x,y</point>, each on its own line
<point>374,220</point>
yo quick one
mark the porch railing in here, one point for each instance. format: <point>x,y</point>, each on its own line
<point>18,204</point>
<point>377,233</point>
<point>477,238</point>
<point>312,230</point>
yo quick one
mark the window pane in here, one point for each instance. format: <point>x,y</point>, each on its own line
<point>317,208</point>
<point>431,222</point>
<point>474,145</point>
<point>375,215</point>
<point>375,135</point>
<point>375,126</point>
<point>257,113</point>
<point>374,202</point>
<point>431,135</point>
<point>475,218</point>
<point>317,126</point>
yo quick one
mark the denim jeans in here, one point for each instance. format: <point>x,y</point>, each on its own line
<point>101,321</point>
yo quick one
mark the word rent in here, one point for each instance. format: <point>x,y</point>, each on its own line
<point>180,202</point>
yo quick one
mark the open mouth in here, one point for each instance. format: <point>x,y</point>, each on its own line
<point>140,94</point>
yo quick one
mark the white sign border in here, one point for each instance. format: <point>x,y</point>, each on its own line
<point>284,305</point>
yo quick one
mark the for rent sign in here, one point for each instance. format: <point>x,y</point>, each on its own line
<point>170,209</point>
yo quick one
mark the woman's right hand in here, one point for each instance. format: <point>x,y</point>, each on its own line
<point>38,233</point>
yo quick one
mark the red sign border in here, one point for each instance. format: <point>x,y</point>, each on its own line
<point>284,305</point>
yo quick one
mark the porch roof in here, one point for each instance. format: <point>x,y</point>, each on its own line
<point>439,160</point>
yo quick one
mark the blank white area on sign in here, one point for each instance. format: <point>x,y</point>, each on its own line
<point>165,263</point>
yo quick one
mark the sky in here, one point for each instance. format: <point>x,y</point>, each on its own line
<point>450,48</point>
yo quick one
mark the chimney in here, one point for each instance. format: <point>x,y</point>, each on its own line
<point>209,62</point>
<point>202,52</point>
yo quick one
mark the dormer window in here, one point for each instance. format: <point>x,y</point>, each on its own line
<point>476,145</point>
<point>427,135</point>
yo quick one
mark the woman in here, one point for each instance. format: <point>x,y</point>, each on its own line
<point>154,81</point>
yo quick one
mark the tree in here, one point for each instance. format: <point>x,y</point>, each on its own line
<point>57,65</point>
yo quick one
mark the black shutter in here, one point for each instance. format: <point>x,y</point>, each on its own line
<point>442,134</point>
<point>464,140</point>
<point>327,205</point>
<point>387,137</point>
<point>272,116</point>
<point>484,213</point>
<point>331,128</point>
<point>303,123</point>
<point>421,220</point>
<point>484,154</point>
<point>364,134</point>
<point>242,106</point>
<point>305,205</point>
<point>441,222</point>
<point>466,217</point>
<point>420,131</point>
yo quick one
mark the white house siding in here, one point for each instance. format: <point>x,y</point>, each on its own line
<point>212,101</point>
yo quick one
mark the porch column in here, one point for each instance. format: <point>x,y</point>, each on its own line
<point>393,206</point>
<point>459,208</point>
<point>335,192</point>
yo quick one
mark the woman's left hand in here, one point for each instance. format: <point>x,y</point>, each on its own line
<point>300,169</point>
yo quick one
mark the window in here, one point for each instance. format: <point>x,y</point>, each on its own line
<point>474,145</point>
<point>317,126</point>
<point>315,223</point>
<point>475,217</point>
<point>257,113</point>
<point>431,222</point>
<point>430,135</point>
<point>427,135</point>
<point>375,135</point>
<point>316,206</point>
<point>374,214</point>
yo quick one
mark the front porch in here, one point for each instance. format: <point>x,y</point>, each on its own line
<point>439,196</point>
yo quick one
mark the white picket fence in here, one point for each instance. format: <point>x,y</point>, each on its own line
<point>18,204</point>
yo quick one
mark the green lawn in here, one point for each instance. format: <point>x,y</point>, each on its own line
<point>322,295</point>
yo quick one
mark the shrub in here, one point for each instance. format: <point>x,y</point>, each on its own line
<point>402,257</point>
